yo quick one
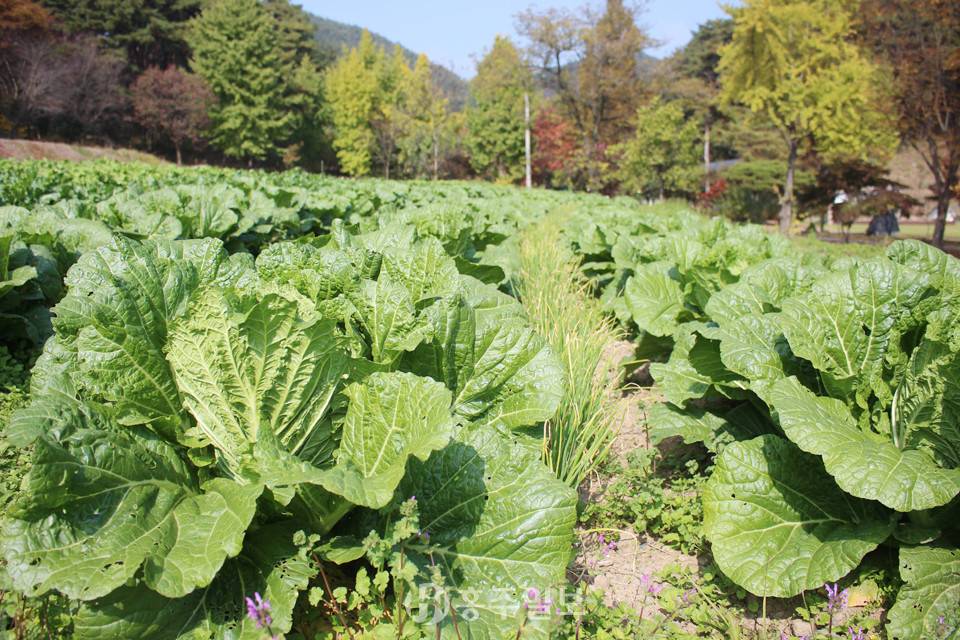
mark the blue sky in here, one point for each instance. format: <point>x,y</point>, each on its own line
<point>449,31</point>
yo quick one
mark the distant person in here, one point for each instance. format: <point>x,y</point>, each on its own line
<point>831,212</point>
<point>884,225</point>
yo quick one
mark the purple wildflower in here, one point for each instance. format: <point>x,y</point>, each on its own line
<point>532,594</point>
<point>258,610</point>
<point>544,605</point>
<point>602,541</point>
<point>856,636</point>
<point>606,551</point>
<point>424,534</point>
<point>687,594</point>
<point>836,600</point>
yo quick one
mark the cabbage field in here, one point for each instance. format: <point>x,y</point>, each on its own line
<point>241,405</point>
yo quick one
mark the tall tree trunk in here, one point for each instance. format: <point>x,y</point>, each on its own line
<point>15,119</point>
<point>786,203</point>
<point>179,159</point>
<point>945,178</point>
<point>526,138</point>
<point>706,153</point>
<point>386,144</point>
<point>943,208</point>
<point>591,169</point>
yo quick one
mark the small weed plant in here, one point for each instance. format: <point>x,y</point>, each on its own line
<point>384,598</point>
<point>660,498</point>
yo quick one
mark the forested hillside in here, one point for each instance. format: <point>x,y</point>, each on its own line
<point>333,36</point>
<point>779,111</point>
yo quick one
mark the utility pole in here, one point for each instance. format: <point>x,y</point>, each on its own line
<point>526,133</point>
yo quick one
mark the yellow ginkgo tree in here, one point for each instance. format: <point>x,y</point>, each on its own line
<point>795,61</point>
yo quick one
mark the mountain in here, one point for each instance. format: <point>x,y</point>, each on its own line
<point>333,36</point>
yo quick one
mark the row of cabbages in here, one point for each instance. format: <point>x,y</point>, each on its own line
<point>830,390</point>
<point>195,411</point>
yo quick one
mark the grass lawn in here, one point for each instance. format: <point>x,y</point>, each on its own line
<point>830,241</point>
<point>922,230</point>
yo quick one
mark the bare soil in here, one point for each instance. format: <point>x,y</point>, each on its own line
<point>36,150</point>
<point>621,574</point>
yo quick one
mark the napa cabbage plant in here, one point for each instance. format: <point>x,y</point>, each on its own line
<point>36,249</point>
<point>243,219</point>
<point>839,428</point>
<point>659,268</point>
<point>197,413</point>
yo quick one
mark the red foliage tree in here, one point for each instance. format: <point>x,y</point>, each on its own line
<point>172,104</point>
<point>919,40</point>
<point>708,199</point>
<point>555,147</point>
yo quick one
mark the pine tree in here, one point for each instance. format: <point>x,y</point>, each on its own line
<point>698,84</point>
<point>310,143</point>
<point>496,122</point>
<point>147,32</point>
<point>295,32</point>
<point>236,50</point>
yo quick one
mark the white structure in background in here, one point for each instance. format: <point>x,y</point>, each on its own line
<point>952,213</point>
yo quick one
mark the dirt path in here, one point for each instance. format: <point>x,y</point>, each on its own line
<point>35,150</point>
<point>624,573</point>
